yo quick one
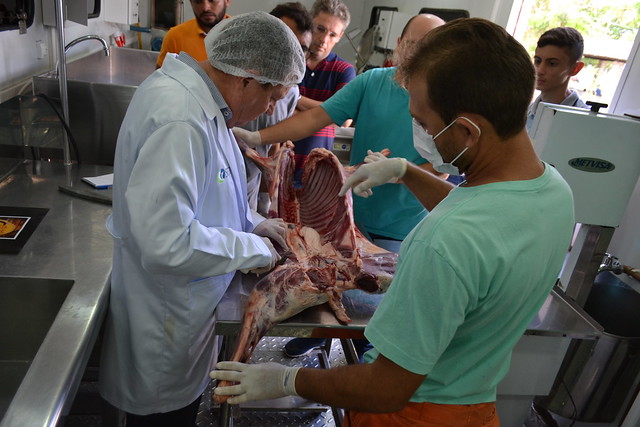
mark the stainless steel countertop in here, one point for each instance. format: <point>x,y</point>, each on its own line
<point>72,243</point>
<point>558,316</point>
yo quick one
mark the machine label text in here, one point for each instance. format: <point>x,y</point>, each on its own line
<point>591,164</point>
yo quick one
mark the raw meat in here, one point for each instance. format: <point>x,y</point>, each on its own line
<point>327,254</point>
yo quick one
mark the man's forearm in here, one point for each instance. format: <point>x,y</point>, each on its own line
<point>381,386</point>
<point>296,127</point>
<point>305,103</point>
<point>428,188</point>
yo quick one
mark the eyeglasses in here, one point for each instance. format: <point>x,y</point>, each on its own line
<point>320,29</point>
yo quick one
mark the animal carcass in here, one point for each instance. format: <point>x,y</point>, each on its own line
<point>327,254</point>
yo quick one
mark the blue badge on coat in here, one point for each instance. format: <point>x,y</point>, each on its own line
<point>223,174</point>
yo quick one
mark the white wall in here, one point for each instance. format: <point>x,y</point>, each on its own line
<point>626,239</point>
<point>19,55</point>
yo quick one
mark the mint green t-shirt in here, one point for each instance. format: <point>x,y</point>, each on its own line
<point>380,110</point>
<point>470,278</point>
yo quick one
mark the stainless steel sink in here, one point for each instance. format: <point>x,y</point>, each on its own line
<point>28,307</point>
<point>99,91</point>
<point>597,382</point>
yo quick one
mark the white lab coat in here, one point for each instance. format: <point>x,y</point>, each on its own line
<point>181,228</point>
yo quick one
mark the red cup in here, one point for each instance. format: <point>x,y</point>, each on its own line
<point>119,39</point>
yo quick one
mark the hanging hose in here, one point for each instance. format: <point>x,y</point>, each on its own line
<point>64,124</point>
<point>139,30</point>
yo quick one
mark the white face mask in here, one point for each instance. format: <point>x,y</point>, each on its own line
<point>425,146</point>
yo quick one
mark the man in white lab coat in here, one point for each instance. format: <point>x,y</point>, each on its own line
<point>180,222</point>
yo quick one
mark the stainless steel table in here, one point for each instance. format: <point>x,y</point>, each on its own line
<point>71,243</point>
<point>558,317</point>
<point>314,322</point>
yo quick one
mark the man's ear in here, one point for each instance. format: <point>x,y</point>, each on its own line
<point>577,67</point>
<point>473,132</point>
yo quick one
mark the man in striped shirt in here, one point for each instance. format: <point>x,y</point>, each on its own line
<point>326,73</point>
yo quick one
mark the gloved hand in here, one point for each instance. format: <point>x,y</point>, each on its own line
<point>251,138</point>
<point>275,229</point>
<point>373,174</point>
<point>256,381</point>
<point>376,157</point>
<point>275,257</point>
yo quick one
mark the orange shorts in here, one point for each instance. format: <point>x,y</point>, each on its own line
<point>428,415</point>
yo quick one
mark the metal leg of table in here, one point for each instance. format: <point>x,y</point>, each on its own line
<point>349,349</point>
<point>323,359</point>
<point>225,418</point>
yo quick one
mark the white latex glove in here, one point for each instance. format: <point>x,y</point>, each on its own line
<point>373,174</point>
<point>275,229</point>
<point>251,138</point>
<point>374,157</point>
<point>275,257</point>
<point>255,382</point>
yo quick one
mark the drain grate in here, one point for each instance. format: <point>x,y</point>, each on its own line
<point>289,411</point>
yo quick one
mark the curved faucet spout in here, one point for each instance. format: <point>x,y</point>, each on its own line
<point>105,46</point>
<point>72,43</point>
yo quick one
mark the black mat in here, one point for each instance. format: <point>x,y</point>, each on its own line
<point>16,226</point>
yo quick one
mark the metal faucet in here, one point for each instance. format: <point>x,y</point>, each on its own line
<point>105,46</point>
<point>611,263</point>
<point>71,44</point>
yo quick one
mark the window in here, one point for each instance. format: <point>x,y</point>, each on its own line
<point>608,28</point>
<point>16,14</point>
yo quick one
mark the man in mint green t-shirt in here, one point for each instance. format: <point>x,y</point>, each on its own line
<point>474,272</point>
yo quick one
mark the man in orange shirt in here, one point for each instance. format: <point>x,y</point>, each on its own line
<point>189,36</point>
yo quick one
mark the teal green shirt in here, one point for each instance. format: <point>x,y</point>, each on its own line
<point>380,109</point>
<point>470,278</point>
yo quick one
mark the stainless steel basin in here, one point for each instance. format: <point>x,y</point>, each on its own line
<point>597,382</point>
<point>28,307</point>
<point>99,91</point>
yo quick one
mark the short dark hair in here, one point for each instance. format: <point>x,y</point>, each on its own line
<point>333,8</point>
<point>567,38</point>
<point>473,65</point>
<point>297,12</point>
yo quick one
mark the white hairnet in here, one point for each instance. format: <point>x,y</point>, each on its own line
<point>256,45</point>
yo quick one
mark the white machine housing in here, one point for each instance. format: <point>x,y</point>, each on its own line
<point>598,155</point>
<point>390,25</point>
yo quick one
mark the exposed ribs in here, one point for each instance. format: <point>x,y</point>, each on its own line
<point>327,254</point>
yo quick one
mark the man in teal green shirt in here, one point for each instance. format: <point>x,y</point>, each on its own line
<point>473,273</point>
<point>379,107</point>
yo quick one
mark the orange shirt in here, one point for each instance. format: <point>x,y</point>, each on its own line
<point>186,37</point>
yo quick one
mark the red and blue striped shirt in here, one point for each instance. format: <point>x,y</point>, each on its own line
<point>329,76</point>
